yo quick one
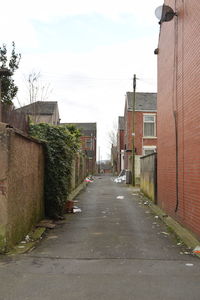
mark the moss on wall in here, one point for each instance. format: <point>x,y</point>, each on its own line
<point>2,238</point>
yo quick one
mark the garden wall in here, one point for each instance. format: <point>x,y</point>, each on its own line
<point>21,185</point>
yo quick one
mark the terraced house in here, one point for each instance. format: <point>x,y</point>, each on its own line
<point>145,131</point>
<point>179,114</point>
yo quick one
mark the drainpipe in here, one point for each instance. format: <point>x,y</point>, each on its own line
<point>133,132</point>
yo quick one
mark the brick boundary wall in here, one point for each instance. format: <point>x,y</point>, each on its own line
<point>21,185</point>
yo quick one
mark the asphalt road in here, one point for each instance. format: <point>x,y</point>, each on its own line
<point>115,248</point>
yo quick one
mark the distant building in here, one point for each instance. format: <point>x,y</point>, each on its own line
<point>88,142</point>
<point>42,112</point>
<point>145,132</point>
<point>120,145</point>
<point>114,159</point>
<point>106,167</point>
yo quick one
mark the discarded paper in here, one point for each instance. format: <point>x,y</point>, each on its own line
<point>165,233</point>
<point>76,209</point>
<point>120,197</point>
<point>189,265</point>
<point>196,250</point>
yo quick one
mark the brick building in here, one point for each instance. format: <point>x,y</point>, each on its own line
<point>120,145</point>
<point>88,142</point>
<point>42,112</point>
<point>179,114</point>
<point>145,139</point>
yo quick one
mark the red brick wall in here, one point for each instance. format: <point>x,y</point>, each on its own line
<point>139,141</point>
<point>121,134</point>
<point>120,146</point>
<point>179,90</point>
<point>90,147</point>
<point>128,130</point>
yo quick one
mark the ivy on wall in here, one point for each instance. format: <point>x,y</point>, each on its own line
<point>61,144</point>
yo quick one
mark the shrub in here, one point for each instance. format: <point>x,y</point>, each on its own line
<point>61,143</point>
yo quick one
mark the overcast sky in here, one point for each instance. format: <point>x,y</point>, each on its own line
<point>87,51</point>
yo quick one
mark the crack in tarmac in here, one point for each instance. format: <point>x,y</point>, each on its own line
<point>109,258</point>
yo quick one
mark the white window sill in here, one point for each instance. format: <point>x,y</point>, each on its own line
<point>150,137</point>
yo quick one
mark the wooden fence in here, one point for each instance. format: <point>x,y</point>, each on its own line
<point>148,176</point>
<point>14,118</point>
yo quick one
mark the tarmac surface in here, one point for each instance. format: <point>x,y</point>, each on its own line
<point>115,248</point>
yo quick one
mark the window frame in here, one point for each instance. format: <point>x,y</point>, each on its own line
<point>154,122</point>
<point>154,148</point>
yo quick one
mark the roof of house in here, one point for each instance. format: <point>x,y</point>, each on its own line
<point>143,101</point>
<point>40,108</point>
<point>121,123</point>
<point>86,129</point>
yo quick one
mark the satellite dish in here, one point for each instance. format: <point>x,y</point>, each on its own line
<point>164,13</point>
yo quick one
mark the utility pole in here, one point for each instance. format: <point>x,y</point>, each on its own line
<point>133,132</point>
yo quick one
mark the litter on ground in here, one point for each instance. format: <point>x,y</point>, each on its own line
<point>88,180</point>
<point>120,179</point>
<point>165,233</point>
<point>196,250</point>
<point>76,209</point>
<point>120,197</point>
<point>27,238</point>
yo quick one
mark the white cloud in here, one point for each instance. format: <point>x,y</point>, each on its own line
<point>89,86</point>
<point>45,9</point>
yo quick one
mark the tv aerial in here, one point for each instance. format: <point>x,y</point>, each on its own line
<point>165,13</point>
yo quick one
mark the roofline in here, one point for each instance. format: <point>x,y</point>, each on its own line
<point>39,114</point>
<point>55,102</point>
<point>141,93</point>
<point>79,123</point>
<point>144,110</point>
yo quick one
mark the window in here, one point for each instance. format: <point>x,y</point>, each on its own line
<point>88,144</point>
<point>148,150</point>
<point>149,125</point>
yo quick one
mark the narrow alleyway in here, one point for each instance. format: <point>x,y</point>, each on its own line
<point>114,248</point>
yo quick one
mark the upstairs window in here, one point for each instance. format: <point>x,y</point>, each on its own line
<point>149,128</point>
<point>88,144</point>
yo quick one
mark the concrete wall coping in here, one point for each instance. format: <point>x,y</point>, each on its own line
<point>7,127</point>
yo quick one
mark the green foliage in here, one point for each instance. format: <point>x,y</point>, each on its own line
<point>61,143</point>
<point>8,87</point>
